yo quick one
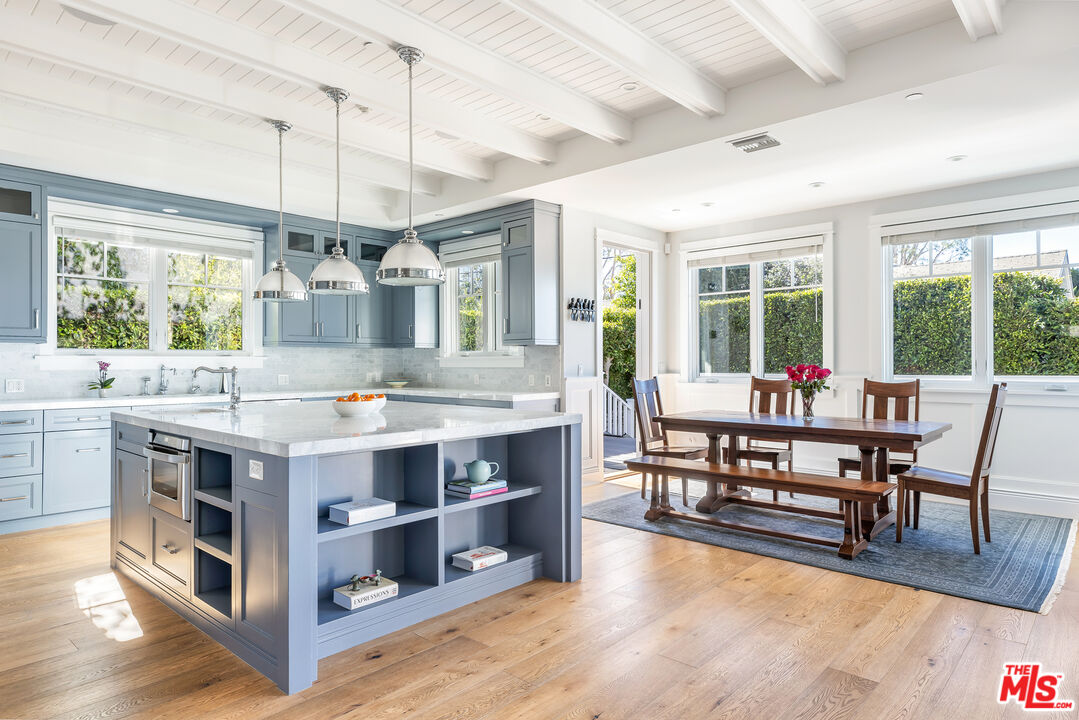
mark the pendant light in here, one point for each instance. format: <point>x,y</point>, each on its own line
<point>337,275</point>
<point>279,284</point>
<point>410,262</point>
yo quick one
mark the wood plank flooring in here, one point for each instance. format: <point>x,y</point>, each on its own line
<point>658,628</point>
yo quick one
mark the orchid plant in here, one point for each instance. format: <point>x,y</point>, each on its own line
<point>103,382</point>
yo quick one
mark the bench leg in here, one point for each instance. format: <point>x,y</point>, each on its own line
<point>853,541</point>
<point>654,511</point>
<point>665,492</point>
<point>904,507</point>
<point>685,492</point>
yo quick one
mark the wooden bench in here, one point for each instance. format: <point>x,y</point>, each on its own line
<point>850,492</point>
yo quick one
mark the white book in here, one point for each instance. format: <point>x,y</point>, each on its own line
<point>368,594</point>
<point>479,558</point>
<point>361,511</point>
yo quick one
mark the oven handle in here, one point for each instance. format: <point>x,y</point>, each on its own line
<point>174,458</point>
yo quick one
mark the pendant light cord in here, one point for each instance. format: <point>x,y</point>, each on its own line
<point>410,161</point>
<point>337,102</point>
<point>281,193</point>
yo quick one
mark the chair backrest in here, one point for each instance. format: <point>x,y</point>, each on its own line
<point>984,459</point>
<point>771,397</point>
<point>899,392</point>
<point>647,406</point>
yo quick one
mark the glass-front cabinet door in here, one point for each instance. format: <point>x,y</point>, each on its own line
<point>20,202</point>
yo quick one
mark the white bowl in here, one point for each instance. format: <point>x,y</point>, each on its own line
<point>397,384</point>
<point>379,403</point>
<point>354,409</point>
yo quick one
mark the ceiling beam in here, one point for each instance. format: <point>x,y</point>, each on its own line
<point>195,28</point>
<point>389,24</point>
<point>799,35</point>
<point>186,129</point>
<point>74,50</point>
<point>981,17</point>
<point>620,44</point>
<point>66,142</point>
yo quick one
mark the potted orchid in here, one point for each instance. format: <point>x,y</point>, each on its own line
<point>103,382</point>
<point>808,380</point>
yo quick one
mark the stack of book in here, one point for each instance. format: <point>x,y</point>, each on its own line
<point>361,511</point>
<point>479,558</point>
<point>471,491</point>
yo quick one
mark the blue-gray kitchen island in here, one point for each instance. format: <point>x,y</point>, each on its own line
<point>223,516</point>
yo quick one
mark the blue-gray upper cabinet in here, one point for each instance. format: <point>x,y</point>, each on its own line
<point>374,311</point>
<point>130,508</point>
<point>20,202</point>
<point>22,287</point>
<point>415,316</point>
<point>295,321</point>
<point>530,277</point>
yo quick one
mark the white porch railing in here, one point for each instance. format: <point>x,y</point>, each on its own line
<point>617,414</point>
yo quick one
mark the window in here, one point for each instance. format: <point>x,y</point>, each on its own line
<point>991,300</point>
<point>758,308</point>
<point>472,308</point>
<point>151,288</point>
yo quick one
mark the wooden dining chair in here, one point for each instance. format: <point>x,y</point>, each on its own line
<point>974,487</point>
<point>771,397</point>
<point>647,406</point>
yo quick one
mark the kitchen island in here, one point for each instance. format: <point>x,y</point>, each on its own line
<point>223,516</point>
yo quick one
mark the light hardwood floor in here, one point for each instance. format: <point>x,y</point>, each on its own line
<point>658,628</point>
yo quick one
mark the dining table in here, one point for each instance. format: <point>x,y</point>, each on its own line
<point>875,438</point>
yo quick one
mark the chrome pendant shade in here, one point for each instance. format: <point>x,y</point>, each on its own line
<point>337,275</point>
<point>279,284</point>
<point>410,262</point>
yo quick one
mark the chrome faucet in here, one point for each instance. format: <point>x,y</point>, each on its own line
<point>163,382</point>
<point>193,386</point>
<point>234,387</point>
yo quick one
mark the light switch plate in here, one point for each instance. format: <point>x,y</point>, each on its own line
<point>531,380</point>
<point>547,380</point>
<point>14,386</point>
<point>428,378</point>
<point>282,379</point>
<point>254,469</point>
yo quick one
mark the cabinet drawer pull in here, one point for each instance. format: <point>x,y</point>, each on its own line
<point>14,455</point>
<point>88,419</point>
<point>37,318</point>
<point>170,549</point>
<point>12,499</point>
<point>16,422</point>
<point>79,450</point>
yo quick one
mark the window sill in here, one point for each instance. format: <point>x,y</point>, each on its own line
<point>138,361</point>
<point>482,361</point>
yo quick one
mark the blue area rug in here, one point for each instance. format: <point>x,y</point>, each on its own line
<point>1022,568</point>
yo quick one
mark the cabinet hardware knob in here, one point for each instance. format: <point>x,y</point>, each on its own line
<point>88,419</point>
<point>170,549</point>
<point>12,499</point>
<point>82,450</point>
<point>37,318</point>
<point>16,422</point>
<point>14,455</point>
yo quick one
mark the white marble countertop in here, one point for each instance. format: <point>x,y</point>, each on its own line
<point>122,401</point>
<point>313,428</point>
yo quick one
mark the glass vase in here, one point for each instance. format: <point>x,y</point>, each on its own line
<point>807,405</point>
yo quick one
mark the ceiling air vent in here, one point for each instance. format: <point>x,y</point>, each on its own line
<point>753,143</point>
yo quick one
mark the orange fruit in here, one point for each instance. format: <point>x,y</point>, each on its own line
<point>340,399</point>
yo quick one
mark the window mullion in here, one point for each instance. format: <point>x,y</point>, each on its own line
<point>159,299</point>
<point>756,319</point>
<point>981,289</point>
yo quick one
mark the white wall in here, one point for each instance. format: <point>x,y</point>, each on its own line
<point>1035,464</point>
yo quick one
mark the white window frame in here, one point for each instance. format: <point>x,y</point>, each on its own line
<point>498,356</point>
<point>189,235</point>
<point>1005,209</point>
<point>740,244</point>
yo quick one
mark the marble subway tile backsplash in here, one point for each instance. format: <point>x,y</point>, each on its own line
<point>307,369</point>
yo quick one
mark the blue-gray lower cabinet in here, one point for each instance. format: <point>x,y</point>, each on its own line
<point>76,473</point>
<point>22,290</point>
<point>20,497</point>
<point>130,506</point>
<point>20,454</point>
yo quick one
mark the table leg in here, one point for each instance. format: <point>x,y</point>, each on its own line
<point>654,511</point>
<point>875,517</point>
<point>705,504</point>
<point>665,492</point>
<point>732,456</point>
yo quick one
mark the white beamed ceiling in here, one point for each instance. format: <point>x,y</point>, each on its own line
<point>558,101</point>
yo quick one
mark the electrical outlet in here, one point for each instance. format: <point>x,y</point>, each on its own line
<point>428,378</point>
<point>370,377</point>
<point>282,379</point>
<point>254,469</point>
<point>476,379</point>
<point>580,369</point>
<point>547,380</point>
<point>14,386</point>
<point>531,380</point>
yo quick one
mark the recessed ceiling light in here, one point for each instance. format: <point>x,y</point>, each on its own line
<point>957,158</point>
<point>753,143</point>
<point>87,17</point>
<point>445,135</point>
<point>707,204</point>
<point>439,214</point>
<point>170,211</point>
<point>676,209</point>
<point>915,96</point>
<point>541,116</point>
<point>630,86</point>
<point>467,232</point>
<point>816,184</point>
